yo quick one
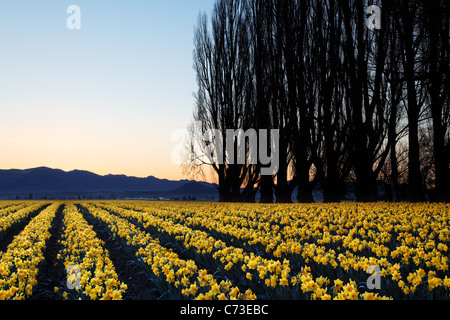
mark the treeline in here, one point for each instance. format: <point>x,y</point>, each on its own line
<point>351,102</point>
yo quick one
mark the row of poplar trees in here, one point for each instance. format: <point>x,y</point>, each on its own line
<point>351,103</point>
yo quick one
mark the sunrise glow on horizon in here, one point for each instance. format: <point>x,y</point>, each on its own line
<point>105,98</point>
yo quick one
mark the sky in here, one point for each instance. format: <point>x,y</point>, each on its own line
<point>106,97</point>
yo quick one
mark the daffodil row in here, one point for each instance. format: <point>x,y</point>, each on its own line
<point>8,207</point>
<point>364,227</point>
<point>271,272</point>
<point>228,255</point>
<point>19,265</point>
<point>179,274</point>
<point>312,251</point>
<point>262,274</point>
<point>349,236</point>
<point>268,273</point>
<point>5,204</point>
<point>10,218</point>
<point>90,270</point>
<point>367,227</point>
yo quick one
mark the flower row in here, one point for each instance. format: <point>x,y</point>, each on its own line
<point>350,237</point>
<point>260,274</point>
<point>179,274</point>
<point>19,265</point>
<point>10,218</point>
<point>90,271</point>
<point>226,257</point>
<point>9,207</point>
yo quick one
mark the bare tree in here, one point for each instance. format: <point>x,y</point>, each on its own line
<point>223,101</point>
<point>349,102</point>
<point>437,21</point>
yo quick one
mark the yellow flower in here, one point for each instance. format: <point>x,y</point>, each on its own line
<point>116,295</point>
<point>319,293</point>
<point>353,295</point>
<point>170,277</point>
<point>252,263</point>
<point>396,276</point>
<point>421,273</point>
<point>193,289</point>
<point>208,296</point>
<point>284,282</point>
<point>222,297</point>
<point>311,286</point>
<point>367,296</point>
<point>433,283</point>
<point>338,284</point>
<point>446,282</point>
<point>234,292</point>
<point>417,280</point>
<point>185,292</point>
<point>185,281</point>
<point>13,290</point>
<point>273,280</point>
<point>215,288</point>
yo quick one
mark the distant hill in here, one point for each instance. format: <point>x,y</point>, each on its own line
<point>45,180</point>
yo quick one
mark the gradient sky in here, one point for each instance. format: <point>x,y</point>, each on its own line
<point>105,98</point>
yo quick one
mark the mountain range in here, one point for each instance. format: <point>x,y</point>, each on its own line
<point>45,180</point>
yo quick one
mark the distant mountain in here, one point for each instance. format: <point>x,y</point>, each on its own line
<point>46,180</point>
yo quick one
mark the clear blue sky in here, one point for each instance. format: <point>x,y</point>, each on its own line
<point>105,98</point>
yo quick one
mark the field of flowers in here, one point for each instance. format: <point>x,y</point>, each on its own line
<point>114,250</point>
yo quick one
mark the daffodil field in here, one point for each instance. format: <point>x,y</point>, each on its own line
<point>119,250</point>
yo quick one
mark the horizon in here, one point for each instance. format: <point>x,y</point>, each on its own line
<point>102,175</point>
<point>106,97</point>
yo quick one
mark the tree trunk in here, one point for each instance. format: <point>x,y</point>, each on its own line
<point>436,97</point>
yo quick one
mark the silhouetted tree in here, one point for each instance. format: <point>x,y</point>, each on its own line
<point>349,102</point>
